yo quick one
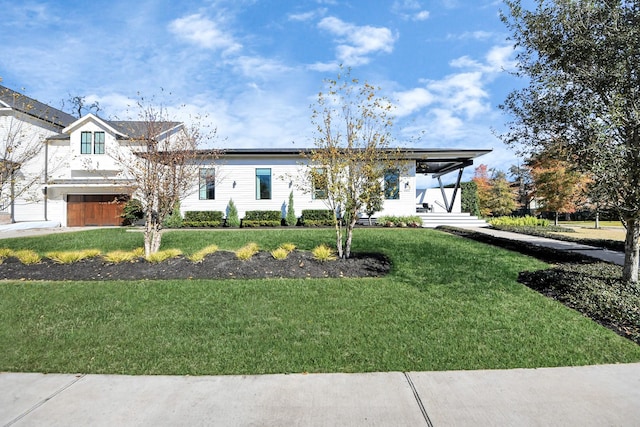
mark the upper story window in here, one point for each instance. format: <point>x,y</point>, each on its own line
<point>392,184</point>
<point>85,143</point>
<point>263,183</point>
<point>207,184</point>
<point>319,181</point>
<point>92,139</point>
<point>98,143</point>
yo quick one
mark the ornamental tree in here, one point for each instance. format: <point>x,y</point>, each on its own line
<point>352,152</point>
<point>581,59</point>
<point>159,157</point>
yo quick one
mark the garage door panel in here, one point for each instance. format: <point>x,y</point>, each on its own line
<point>94,209</point>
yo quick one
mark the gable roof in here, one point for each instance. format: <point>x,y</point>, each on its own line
<point>24,104</point>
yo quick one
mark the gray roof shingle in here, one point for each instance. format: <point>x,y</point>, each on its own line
<point>34,108</point>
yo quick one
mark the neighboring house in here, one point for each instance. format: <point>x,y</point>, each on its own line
<point>80,182</point>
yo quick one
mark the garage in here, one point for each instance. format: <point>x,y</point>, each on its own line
<point>95,209</point>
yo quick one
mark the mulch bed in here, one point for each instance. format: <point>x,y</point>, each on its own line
<point>220,265</point>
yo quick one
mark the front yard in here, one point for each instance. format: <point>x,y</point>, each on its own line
<point>448,303</point>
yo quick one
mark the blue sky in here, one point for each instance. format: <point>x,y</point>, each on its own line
<point>255,66</point>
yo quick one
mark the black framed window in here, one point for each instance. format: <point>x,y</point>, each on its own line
<point>319,178</point>
<point>98,143</point>
<point>263,183</point>
<point>392,184</point>
<point>207,184</point>
<point>85,143</point>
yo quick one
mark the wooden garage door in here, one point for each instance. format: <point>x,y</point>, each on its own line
<point>94,209</point>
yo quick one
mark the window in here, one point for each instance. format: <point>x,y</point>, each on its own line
<point>207,184</point>
<point>319,179</point>
<point>87,139</point>
<point>85,143</point>
<point>98,143</point>
<point>392,184</point>
<point>263,184</point>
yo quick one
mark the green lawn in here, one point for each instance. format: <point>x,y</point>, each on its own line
<point>448,303</point>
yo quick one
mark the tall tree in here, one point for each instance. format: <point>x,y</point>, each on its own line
<point>160,157</point>
<point>483,186</point>
<point>521,174</point>
<point>352,151</point>
<point>502,199</point>
<point>582,61</point>
<point>558,188</point>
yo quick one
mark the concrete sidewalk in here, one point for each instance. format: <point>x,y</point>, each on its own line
<point>578,396</point>
<point>591,251</point>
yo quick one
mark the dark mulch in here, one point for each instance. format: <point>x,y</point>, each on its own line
<point>220,265</point>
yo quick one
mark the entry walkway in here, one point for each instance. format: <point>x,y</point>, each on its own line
<point>577,396</point>
<point>591,251</point>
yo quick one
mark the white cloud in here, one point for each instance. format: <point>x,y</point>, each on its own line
<point>412,100</point>
<point>472,35</point>
<point>259,67</point>
<point>204,32</point>
<point>498,59</point>
<point>410,10</point>
<point>307,16</point>
<point>357,42</point>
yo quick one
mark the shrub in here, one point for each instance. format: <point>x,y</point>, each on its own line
<point>262,219</point>
<point>232,215</point>
<point>27,256</point>
<point>69,257</point>
<point>292,220</point>
<point>164,255</point>
<point>132,211</point>
<point>317,218</point>
<point>399,221</point>
<point>518,221</point>
<point>323,253</point>
<point>202,219</point>
<point>199,256</point>
<point>469,198</point>
<point>174,220</point>
<point>247,251</point>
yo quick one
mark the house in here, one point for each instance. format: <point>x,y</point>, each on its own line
<point>80,181</point>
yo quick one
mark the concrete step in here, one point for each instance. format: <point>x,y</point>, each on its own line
<point>433,220</point>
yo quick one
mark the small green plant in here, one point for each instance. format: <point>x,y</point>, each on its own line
<point>199,256</point>
<point>68,257</point>
<point>289,247</point>
<point>27,256</point>
<point>233,220</point>
<point>518,221</point>
<point>280,253</point>
<point>323,253</point>
<point>164,255</point>
<point>174,220</point>
<point>5,253</point>
<point>399,221</point>
<point>132,211</point>
<point>123,256</point>
<point>247,251</point>
<point>292,220</point>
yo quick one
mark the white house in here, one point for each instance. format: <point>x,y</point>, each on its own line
<point>81,183</point>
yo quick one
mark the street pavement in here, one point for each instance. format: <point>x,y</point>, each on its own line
<point>602,395</point>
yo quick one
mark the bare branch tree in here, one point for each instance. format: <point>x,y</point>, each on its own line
<point>161,158</point>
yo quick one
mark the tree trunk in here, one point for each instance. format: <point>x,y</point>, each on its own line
<point>152,237</point>
<point>597,219</point>
<point>350,227</point>
<point>631,246</point>
<point>556,219</point>
<point>339,247</point>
